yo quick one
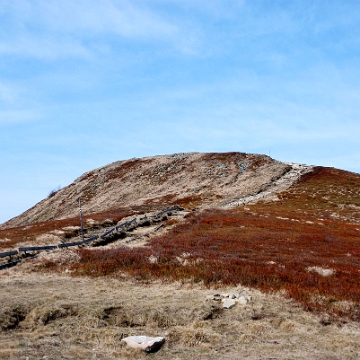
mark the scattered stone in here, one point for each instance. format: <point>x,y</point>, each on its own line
<point>146,343</point>
<point>91,222</point>
<point>240,293</point>
<point>321,271</point>
<point>107,222</point>
<point>230,299</point>
<point>228,303</point>
<point>232,296</point>
<point>153,259</point>
<point>215,297</point>
<point>242,300</point>
<point>57,232</point>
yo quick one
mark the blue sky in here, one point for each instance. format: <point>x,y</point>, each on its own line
<point>84,83</point>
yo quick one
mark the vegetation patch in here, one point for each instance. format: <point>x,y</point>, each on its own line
<point>10,317</point>
<point>270,246</point>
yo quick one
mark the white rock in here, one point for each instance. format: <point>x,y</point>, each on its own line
<point>242,293</point>
<point>145,343</point>
<point>242,300</point>
<point>228,303</point>
<point>321,271</point>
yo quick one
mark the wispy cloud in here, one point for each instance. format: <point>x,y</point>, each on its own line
<point>87,16</point>
<point>67,28</point>
<point>12,117</point>
<point>44,47</point>
<point>8,93</point>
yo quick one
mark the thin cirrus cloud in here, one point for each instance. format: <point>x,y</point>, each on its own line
<point>8,93</point>
<point>118,17</point>
<point>51,29</point>
<point>85,19</point>
<point>13,110</point>
<point>13,117</point>
<point>44,48</point>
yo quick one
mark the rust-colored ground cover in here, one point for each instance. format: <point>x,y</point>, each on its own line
<point>250,248</point>
<point>306,245</point>
<point>29,232</point>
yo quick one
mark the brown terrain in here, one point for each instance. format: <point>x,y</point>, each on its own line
<point>165,232</point>
<point>190,179</point>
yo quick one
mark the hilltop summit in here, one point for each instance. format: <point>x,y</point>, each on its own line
<point>200,180</point>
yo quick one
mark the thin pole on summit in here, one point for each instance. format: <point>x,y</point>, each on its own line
<point>81,221</point>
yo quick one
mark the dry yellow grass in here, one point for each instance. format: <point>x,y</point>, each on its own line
<point>54,316</point>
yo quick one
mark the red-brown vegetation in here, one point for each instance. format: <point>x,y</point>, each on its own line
<point>274,246</point>
<point>30,232</point>
<point>253,249</point>
<point>325,193</point>
<point>270,246</point>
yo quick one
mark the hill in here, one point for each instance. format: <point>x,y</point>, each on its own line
<point>284,234</point>
<point>190,179</point>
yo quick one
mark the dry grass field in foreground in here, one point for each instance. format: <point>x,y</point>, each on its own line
<point>56,317</point>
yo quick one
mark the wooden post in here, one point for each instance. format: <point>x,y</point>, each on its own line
<point>81,221</point>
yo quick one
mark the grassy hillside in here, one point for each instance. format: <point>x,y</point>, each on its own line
<point>306,244</point>
<point>296,251</point>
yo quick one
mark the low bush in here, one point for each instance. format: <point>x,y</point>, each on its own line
<point>273,247</point>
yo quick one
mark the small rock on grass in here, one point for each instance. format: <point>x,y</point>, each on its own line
<point>146,343</point>
<point>228,303</point>
<point>215,297</point>
<point>240,297</point>
<point>242,300</point>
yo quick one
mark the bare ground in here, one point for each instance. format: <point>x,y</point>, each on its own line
<point>56,316</point>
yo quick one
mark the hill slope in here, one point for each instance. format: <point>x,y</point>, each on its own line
<point>188,179</point>
<point>300,252</point>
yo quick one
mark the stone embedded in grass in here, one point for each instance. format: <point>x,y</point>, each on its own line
<point>228,303</point>
<point>215,297</point>
<point>240,296</point>
<point>243,297</point>
<point>145,343</point>
<point>321,271</point>
<point>242,300</point>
